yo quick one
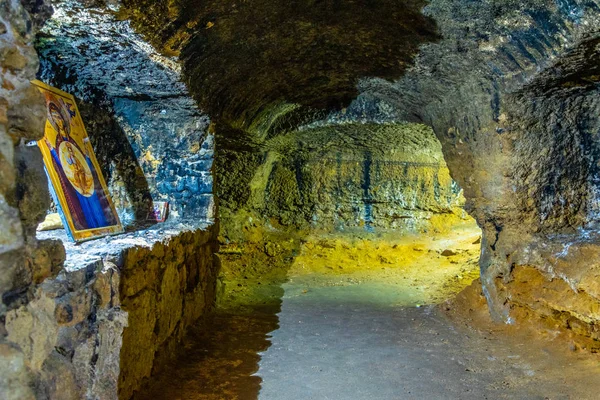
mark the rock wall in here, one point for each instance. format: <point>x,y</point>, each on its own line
<point>23,201</point>
<point>363,176</point>
<point>372,176</point>
<point>509,87</point>
<point>150,138</point>
<point>164,289</point>
<point>511,92</point>
<point>70,334</point>
<point>71,325</point>
<point>113,312</point>
<point>357,180</point>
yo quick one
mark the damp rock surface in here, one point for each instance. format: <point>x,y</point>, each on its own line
<point>150,137</point>
<point>374,331</point>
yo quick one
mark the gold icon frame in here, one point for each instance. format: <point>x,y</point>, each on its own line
<point>77,184</point>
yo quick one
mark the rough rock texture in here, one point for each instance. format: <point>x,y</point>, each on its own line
<point>110,318</point>
<point>23,200</point>
<point>510,88</point>
<point>251,61</point>
<point>71,333</point>
<point>164,289</point>
<point>511,95</point>
<point>21,120</point>
<point>353,178</point>
<point>65,330</point>
<point>150,138</point>
<point>376,176</point>
<point>348,176</point>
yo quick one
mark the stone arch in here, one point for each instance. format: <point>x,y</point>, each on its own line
<point>471,80</point>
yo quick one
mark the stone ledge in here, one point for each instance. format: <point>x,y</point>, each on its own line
<point>103,324</point>
<point>112,248</point>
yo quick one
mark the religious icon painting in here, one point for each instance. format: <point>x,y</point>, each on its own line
<point>159,211</point>
<point>77,185</point>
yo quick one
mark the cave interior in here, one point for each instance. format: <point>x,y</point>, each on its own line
<point>368,199</point>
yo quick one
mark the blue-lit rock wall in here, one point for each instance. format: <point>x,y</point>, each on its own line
<point>150,138</point>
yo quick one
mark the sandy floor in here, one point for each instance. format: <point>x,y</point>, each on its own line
<point>418,270</point>
<point>335,346</point>
<point>368,320</point>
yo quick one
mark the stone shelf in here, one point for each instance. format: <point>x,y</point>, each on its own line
<point>111,248</point>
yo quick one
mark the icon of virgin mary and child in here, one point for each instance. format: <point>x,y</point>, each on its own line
<point>85,197</point>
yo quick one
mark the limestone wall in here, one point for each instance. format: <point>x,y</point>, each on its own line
<point>164,290</point>
<point>379,192</point>
<point>71,322</point>
<point>108,318</point>
<point>354,176</point>
<point>70,334</point>
<point>360,180</point>
<point>23,201</point>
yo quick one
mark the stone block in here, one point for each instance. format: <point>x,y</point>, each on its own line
<point>74,307</point>
<point>11,233</point>
<point>57,379</point>
<point>169,306</point>
<point>83,353</point>
<point>68,338</point>
<point>15,379</point>
<point>107,287</point>
<point>139,276</point>
<point>34,329</point>
<point>11,266</point>
<point>194,307</point>
<point>47,260</point>
<point>107,368</point>
<point>139,342</point>
<point>32,187</point>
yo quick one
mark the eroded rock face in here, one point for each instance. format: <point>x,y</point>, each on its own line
<point>164,289</point>
<point>515,139</point>
<point>106,322</point>
<point>20,112</point>
<point>371,176</point>
<point>23,198</point>
<point>510,89</point>
<point>151,139</point>
<point>70,333</point>
<point>242,60</point>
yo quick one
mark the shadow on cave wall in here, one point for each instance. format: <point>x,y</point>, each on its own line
<point>240,58</point>
<point>557,181</point>
<point>119,164</point>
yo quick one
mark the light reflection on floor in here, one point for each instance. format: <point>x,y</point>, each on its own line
<point>221,357</point>
<point>352,335</point>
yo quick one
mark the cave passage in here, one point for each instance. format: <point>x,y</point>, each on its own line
<point>334,272</point>
<point>362,315</point>
<point>352,315</point>
<point>339,277</point>
<point>307,199</point>
<point>351,225</point>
